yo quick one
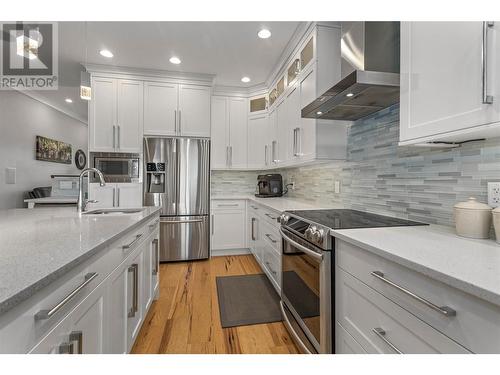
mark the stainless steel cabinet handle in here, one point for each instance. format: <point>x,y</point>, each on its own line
<point>299,143</point>
<point>182,221</point>
<point>295,142</point>
<point>213,224</point>
<point>487,25</point>
<point>117,197</point>
<point>114,136</point>
<point>228,205</point>
<point>78,337</point>
<point>128,246</point>
<point>134,269</point>
<point>271,238</point>
<point>381,334</point>
<point>156,256</point>
<point>175,121</point>
<point>445,310</point>
<point>118,137</point>
<point>271,269</point>
<point>46,314</point>
<point>227,156</point>
<point>273,144</point>
<point>114,197</point>
<point>271,216</point>
<point>231,156</point>
<point>253,229</point>
<point>66,348</point>
<point>318,257</point>
<point>265,155</point>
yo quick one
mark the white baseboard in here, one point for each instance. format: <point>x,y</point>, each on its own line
<point>226,252</point>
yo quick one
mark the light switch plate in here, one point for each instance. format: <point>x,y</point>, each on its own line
<point>493,194</point>
<point>10,176</point>
<point>337,187</point>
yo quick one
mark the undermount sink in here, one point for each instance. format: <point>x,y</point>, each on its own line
<point>113,211</point>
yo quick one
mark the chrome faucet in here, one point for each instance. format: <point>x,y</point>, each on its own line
<point>81,205</point>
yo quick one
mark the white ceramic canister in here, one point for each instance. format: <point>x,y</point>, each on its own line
<point>472,219</point>
<point>496,222</point>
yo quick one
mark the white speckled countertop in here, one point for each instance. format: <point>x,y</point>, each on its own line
<point>279,204</point>
<point>40,245</point>
<point>436,251</point>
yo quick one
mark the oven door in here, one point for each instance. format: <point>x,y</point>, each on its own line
<point>306,293</point>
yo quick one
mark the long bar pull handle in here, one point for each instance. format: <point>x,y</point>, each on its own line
<point>114,137</point>
<point>299,143</point>
<point>129,245</point>
<point>153,225</point>
<point>46,314</point>
<point>213,224</point>
<point>228,205</point>
<point>114,197</point>
<point>295,142</point>
<point>134,269</point>
<point>271,216</point>
<point>271,238</point>
<point>227,156</point>
<point>445,310</point>
<point>274,151</point>
<point>231,156</point>
<point>314,255</point>
<point>117,197</point>
<point>78,337</point>
<point>180,123</point>
<point>175,121</point>
<point>381,334</point>
<point>182,221</point>
<point>487,25</point>
<point>288,324</point>
<point>118,137</point>
<point>155,258</point>
<point>265,155</point>
<point>253,229</point>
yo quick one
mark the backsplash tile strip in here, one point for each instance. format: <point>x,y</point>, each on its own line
<point>379,176</point>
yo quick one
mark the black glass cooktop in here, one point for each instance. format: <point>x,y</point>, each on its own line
<point>350,219</point>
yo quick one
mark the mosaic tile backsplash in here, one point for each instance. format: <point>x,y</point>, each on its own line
<point>379,176</point>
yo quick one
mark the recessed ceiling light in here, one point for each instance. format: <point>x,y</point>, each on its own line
<point>175,60</point>
<point>68,100</point>
<point>245,79</point>
<point>264,34</point>
<point>319,113</point>
<point>350,94</point>
<point>106,53</point>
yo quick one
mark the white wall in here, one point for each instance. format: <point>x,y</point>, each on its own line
<point>21,120</point>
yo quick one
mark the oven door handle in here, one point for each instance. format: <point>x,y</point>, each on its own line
<point>311,253</point>
<point>288,324</point>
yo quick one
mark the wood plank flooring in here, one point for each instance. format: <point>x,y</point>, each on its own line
<point>185,319</point>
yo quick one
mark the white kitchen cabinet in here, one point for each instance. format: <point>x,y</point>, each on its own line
<point>116,115</point>
<point>447,94</point>
<point>135,299</point>
<point>115,195</point>
<point>282,134</point>
<point>160,108</point>
<point>102,115</point>
<point>228,225</point>
<point>194,111</point>
<point>257,105</point>
<point>259,152</point>
<point>229,132</point>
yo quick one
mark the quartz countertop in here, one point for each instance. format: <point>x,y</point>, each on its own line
<point>470,265</point>
<point>40,245</point>
<point>278,204</point>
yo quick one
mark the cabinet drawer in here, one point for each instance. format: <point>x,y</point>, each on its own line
<point>476,324</point>
<point>272,265</point>
<point>228,204</point>
<point>345,343</point>
<point>363,312</point>
<point>270,216</point>
<point>271,236</point>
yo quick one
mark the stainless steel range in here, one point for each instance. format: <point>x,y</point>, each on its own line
<point>307,298</point>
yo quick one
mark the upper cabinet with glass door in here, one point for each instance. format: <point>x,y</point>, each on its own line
<point>257,105</point>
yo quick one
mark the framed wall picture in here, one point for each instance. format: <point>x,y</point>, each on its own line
<point>51,150</point>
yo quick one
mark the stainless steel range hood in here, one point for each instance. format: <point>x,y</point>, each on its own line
<point>370,73</point>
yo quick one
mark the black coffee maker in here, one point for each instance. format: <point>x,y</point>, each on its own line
<point>269,185</point>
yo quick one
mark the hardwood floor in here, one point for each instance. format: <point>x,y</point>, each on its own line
<point>185,319</point>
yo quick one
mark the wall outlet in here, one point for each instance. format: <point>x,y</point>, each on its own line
<point>292,185</point>
<point>493,194</point>
<point>336,187</point>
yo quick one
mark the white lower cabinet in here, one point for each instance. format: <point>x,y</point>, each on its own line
<point>109,299</point>
<point>115,195</point>
<point>228,225</point>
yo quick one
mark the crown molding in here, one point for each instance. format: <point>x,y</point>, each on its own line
<point>75,116</point>
<point>201,78</point>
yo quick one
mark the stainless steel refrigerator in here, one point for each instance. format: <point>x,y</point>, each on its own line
<point>177,179</point>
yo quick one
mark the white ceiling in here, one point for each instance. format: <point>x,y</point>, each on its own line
<point>229,50</point>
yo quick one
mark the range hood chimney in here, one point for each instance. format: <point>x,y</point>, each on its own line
<point>370,73</point>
